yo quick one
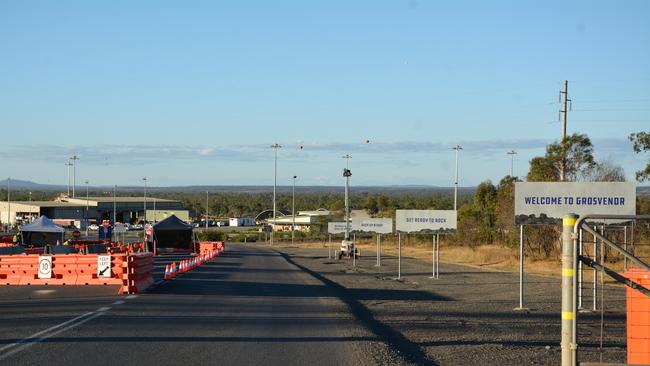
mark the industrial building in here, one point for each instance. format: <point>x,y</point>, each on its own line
<point>303,220</point>
<point>69,211</point>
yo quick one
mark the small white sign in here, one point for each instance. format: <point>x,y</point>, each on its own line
<point>45,266</point>
<point>380,226</point>
<point>337,227</point>
<point>410,221</point>
<point>548,202</point>
<point>103,266</point>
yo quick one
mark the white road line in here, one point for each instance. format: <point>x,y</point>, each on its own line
<point>47,330</point>
<point>119,302</point>
<point>50,332</point>
<point>24,345</point>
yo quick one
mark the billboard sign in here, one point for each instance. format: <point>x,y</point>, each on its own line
<point>380,226</point>
<point>410,221</point>
<point>336,227</point>
<point>547,202</point>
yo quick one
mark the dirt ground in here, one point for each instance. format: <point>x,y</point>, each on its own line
<point>466,316</point>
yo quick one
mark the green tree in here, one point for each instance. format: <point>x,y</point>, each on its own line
<point>641,142</point>
<point>371,205</point>
<point>477,220</point>
<point>505,210</point>
<point>575,153</point>
<point>542,169</point>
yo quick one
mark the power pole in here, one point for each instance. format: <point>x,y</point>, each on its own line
<point>457,148</point>
<point>8,203</point>
<point>207,207</point>
<point>566,101</point>
<point>74,159</point>
<point>68,164</point>
<point>275,148</point>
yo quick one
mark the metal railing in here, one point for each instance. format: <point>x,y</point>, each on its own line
<point>571,226</point>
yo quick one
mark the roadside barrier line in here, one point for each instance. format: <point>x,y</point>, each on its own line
<point>25,344</point>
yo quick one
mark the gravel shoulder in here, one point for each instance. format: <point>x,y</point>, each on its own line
<point>466,316</point>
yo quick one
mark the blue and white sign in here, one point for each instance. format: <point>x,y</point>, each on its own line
<point>410,221</point>
<point>548,202</point>
<point>380,226</point>
<point>336,227</point>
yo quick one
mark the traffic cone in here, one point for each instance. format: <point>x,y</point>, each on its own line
<point>173,269</point>
<point>167,273</point>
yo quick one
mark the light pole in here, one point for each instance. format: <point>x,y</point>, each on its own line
<point>86,209</point>
<point>293,208</point>
<point>275,148</point>
<point>8,203</point>
<point>144,222</point>
<point>457,148</point>
<point>512,154</point>
<point>114,205</point>
<point>347,174</point>
<point>68,164</point>
<point>30,206</point>
<point>207,207</point>
<point>74,159</point>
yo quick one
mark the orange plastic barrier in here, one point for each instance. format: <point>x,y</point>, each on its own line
<point>206,246</point>
<point>132,272</point>
<point>638,319</point>
<point>139,273</point>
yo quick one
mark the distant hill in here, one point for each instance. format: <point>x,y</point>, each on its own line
<point>18,184</point>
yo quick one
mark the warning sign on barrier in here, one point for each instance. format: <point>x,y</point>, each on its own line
<point>104,266</point>
<point>45,266</point>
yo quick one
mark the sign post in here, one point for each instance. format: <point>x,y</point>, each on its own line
<point>378,226</point>
<point>378,251</point>
<point>434,221</point>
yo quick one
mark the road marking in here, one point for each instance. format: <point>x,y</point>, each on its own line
<point>50,332</point>
<point>119,302</point>
<point>31,340</point>
<point>132,297</point>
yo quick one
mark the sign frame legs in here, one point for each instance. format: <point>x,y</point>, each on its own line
<point>329,247</point>
<point>378,264</point>
<point>435,256</point>
<point>354,250</point>
<point>399,256</point>
<point>521,270</point>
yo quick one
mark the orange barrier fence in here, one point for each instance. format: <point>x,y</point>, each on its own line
<point>139,274</point>
<point>209,246</point>
<point>132,272</point>
<point>638,319</point>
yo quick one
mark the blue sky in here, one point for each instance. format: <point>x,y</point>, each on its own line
<point>195,92</point>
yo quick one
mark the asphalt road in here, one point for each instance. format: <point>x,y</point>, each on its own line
<point>248,306</point>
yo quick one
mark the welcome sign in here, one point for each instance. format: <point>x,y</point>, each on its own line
<point>548,202</point>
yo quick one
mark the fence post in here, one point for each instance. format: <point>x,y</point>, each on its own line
<point>399,256</point>
<point>568,222</point>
